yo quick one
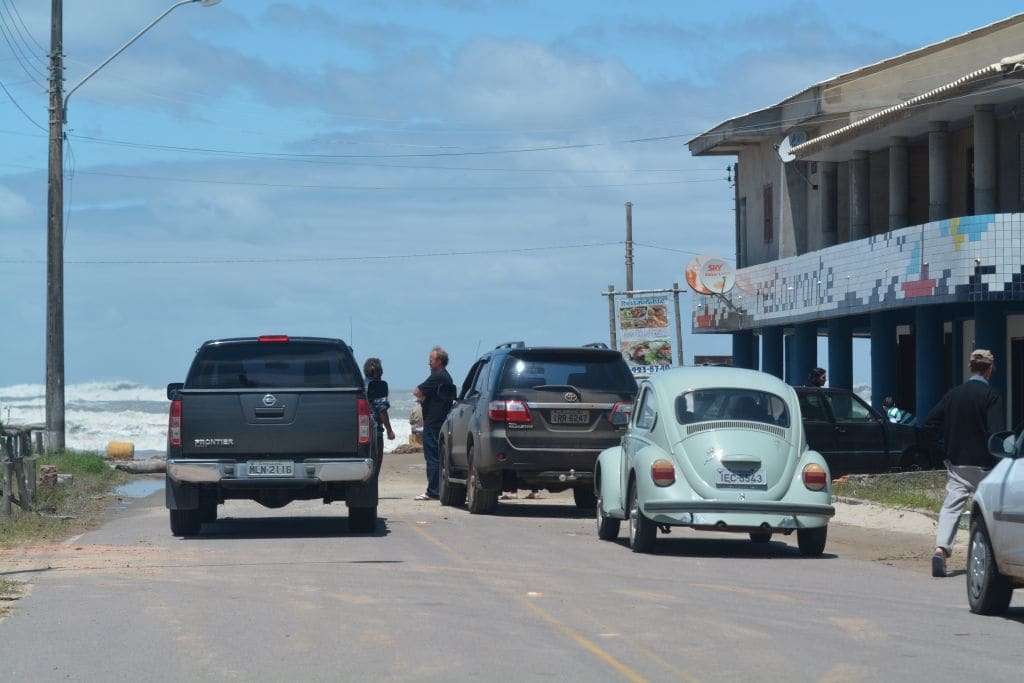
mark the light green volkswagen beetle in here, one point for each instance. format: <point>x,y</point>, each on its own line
<point>716,449</point>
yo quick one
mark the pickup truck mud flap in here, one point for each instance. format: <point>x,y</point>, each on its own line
<point>180,496</point>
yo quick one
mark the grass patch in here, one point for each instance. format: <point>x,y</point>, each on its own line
<point>9,590</point>
<point>917,490</point>
<point>67,509</point>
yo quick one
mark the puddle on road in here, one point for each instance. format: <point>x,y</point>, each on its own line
<point>139,488</point>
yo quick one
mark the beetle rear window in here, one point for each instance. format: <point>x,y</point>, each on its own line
<point>731,404</point>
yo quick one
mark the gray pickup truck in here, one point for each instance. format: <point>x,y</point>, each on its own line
<point>271,419</point>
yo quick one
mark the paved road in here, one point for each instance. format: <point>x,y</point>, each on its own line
<point>438,594</point>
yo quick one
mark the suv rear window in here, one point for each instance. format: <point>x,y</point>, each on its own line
<point>274,365</point>
<point>731,404</point>
<point>596,372</point>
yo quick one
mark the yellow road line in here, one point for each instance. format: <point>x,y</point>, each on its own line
<point>569,632</point>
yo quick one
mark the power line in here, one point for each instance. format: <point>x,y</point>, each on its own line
<point>19,107</point>
<point>676,251</point>
<point>24,61</point>
<point>312,259</point>
<point>13,6</point>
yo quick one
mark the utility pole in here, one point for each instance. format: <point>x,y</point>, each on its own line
<point>55,238</point>
<point>629,246</point>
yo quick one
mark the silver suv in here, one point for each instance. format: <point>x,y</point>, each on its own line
<point>533,418</point>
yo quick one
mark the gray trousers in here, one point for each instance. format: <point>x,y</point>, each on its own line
<point>963,481</point>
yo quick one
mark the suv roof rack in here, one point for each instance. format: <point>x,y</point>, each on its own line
<point>595,345</point>
<point>511,345</point>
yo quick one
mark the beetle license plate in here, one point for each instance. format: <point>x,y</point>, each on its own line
<point>746,478</point>
<point>570,417</point>
<point>270,468</point>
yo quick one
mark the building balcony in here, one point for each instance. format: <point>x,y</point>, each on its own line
<point>967,259</point>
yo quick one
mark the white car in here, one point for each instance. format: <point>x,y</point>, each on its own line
<point>995,564</point>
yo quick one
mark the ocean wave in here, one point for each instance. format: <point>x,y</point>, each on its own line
<point>117,390</point>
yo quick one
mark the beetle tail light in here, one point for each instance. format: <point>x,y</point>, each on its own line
<point>663,472</point>
<point>815,477</point>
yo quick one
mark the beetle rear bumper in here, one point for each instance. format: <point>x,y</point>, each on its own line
<point>729,515</point>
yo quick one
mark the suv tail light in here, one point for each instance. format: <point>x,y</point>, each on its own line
<point>174,425</point>
<point>511,412</point>
<point>272,338</point>
<point>663,472</point>
<point>363,412</point>
<point>815,477</point>
<point>620,413</point>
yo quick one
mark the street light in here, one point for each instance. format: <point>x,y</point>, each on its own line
<point>55,213</point>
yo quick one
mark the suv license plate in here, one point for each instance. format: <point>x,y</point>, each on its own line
<point>259,468</point>
<point>570,417</point>
<point>753,478</point>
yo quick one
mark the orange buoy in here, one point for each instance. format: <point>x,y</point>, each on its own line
<point>121,450</point>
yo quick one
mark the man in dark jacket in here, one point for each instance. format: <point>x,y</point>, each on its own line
<point>965,418</point>
<point>435,395</point>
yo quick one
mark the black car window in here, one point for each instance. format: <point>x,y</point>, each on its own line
<point>849,408</point>
<point>813,407</point>
<point>599,372</point>
<point>480,383</point>
<point>467,384</point>
<point>731,404</point>
<point>292,364</point>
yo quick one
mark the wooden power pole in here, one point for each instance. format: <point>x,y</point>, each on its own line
<point>629,246</point>
<point>55,238</point>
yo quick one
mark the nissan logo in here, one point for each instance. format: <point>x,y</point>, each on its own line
<point>269,400</point>
<point>571,397</point>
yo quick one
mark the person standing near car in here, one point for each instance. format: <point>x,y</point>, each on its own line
<point>817,378</point>
<point>377,394</point>
<point>435,394</point>
<point>964,418</point>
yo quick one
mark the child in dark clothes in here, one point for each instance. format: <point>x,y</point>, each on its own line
<point>377,394</point>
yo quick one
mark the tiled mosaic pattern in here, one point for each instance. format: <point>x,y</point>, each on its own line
<point>973,258</point>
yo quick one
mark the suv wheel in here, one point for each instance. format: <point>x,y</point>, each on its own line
<point>478,499</point>
<point>362,520</point>
<point>585,498</point>
<point>988,590</point>
<point>186,522</point>
<point>607,527</point>
<point>642,532</point>
<point>448,493</point>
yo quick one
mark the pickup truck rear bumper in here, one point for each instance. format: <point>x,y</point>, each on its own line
<point>327,470</point>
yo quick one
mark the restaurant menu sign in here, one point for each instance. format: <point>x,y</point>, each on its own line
<point>645,334</point>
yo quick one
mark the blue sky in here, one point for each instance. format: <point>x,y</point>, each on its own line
<point>395,94</point>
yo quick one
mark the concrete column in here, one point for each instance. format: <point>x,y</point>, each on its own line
<point>840,353</point>
<point>804,353</point>
<point>771,351</point>
<point>860,196</point>
<point>899,183</point>
<point>744,350</point>
<point>928,358</point>
<point>990,333</point>
<point>984,159</point>
<point>883,357</point>
<point>938,171</point>
<point>828,197</point>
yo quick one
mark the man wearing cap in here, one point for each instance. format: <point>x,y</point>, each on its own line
<point>965,417</point>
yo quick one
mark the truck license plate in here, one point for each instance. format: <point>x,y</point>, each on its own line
<point>260,468</point>
<point>570,417</point>
<point>748,478</point>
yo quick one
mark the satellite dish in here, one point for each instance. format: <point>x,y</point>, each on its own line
<point>792,139</point>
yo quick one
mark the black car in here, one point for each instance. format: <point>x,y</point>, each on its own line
<point>533,418</point>
<point>857,439</point>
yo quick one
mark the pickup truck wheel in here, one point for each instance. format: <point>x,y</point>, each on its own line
<point>449,494</point>
<point>812,541</point>
<point>186,522</point>
<point>585,498</point>
<point>988,590</point>
<point>362,520</point>
<point>479,501</point>
<point>607,527</point>
<point>642,532</point>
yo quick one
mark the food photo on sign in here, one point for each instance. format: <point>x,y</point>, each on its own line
<point>644,337</point>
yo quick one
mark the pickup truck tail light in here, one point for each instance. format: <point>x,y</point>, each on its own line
<point>815,477</point>
<point>174,424</point>
<point>663,472</point>
<point>509,412</point>
<point>363,411</point>
<point>272,339</point>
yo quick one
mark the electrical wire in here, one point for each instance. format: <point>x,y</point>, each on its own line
<point>311,259</point>
<point>13,7</point>
<point>21,109</point>
<point>24,61</point>
<point>676,251</point>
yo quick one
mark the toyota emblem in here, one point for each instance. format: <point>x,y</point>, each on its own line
<point>571,397</point>
<point>269,400</point>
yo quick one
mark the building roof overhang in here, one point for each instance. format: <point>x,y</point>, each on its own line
<point>994,84</point>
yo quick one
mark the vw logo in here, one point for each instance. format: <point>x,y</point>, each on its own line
<point>269,400</point>
<point>571,397</point>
